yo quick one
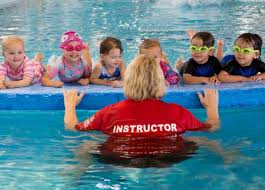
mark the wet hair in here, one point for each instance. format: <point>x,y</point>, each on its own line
<point>254,40</point>
<point>109,43</point>
<point>8,41</point>
<point>206,37</point>
<point>149,43</point>
<point>144,79</point>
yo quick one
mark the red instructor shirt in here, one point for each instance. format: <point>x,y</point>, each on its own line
<point>147,118</point>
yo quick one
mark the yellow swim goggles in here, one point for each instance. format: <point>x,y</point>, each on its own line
<point>200,49</point>
<point>245,51</point>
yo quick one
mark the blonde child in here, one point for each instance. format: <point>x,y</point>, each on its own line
<point>246,64</point>
<point>70,67</point>
<point>110,69</point>
<point>153,48</point>
<point>17,70</point>
<point>203,67</point>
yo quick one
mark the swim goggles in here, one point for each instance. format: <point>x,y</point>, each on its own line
<point>200,49</point>
<point>245,51</point>
<point>72,48</point>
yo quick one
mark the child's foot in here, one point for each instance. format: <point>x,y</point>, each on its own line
<point>38,57</point>
<point>179,63</point>
<point>220,43</point>
<point>191,33</point>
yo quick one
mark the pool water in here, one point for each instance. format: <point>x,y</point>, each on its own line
<point>36,152</point>
<point>41,23</point>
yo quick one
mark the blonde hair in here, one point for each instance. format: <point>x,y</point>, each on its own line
<point>144,79</point>
<point>149,43</point>
<point>8,41</point>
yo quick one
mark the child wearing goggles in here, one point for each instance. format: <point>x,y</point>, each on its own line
<point>203,67</point>
<point>153,48</point>
<point>111,68</point>
<point>71,66</point>
<point>246,64</point>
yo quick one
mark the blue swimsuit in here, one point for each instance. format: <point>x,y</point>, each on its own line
<point>233,68</point>
<point>106,76</point>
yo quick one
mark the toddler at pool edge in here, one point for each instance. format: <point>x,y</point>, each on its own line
<point>17,70</point>
<point>70,67</point>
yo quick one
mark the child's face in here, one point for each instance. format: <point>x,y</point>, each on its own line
<point>155,52</point>
<point>14,55</point>
<point>73,52</point>
<point>113,58</point>
<point>243,59</point>
<point>198,56</point>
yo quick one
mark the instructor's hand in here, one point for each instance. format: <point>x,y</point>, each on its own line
<point>210,98</point>
<point>72,98</point>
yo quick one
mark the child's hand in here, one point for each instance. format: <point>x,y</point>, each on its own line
<point>10,84</point>
<point>258,77</point>
<point>167,83</point>
<point>220,43</point>
<point>2,86</point>
<point>214,80</point>
<point>117,84</point>
<point>58,84</point>
<point>83,81</point>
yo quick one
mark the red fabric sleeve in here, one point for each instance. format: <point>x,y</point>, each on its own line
<point>192,123</point>
<point>92,123</point>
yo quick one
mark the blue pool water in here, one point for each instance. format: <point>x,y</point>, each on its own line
<point>37,153</point>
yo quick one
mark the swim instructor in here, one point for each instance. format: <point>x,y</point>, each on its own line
<point>143,114</point>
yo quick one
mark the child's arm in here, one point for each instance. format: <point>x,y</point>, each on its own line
<point>47,81</point>
<point>26,81</point>
<point>224,76</point>
<point>220,51</point>
<point>2,82</point>
<point>189,79</point>
<point>94,79</point>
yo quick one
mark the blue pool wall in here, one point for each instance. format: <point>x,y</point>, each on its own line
<point>37,97</point>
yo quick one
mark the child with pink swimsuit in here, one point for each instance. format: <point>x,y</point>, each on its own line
<point>17,70</point>
<point>70,67</point>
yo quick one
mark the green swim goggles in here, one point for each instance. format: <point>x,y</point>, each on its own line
<point>245,51</point>
<point>200,49</point>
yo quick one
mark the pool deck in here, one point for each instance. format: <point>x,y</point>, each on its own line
<point>37,97</point>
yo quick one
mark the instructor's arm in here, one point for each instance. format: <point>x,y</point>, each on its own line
<point>71,100</point>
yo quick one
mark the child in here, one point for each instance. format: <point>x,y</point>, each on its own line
<point>152,47</point>
<point>246,64</point>
<point>17,70</point>
<point>70,67</point>
<point>110,70</point>
<point>203,67</point>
